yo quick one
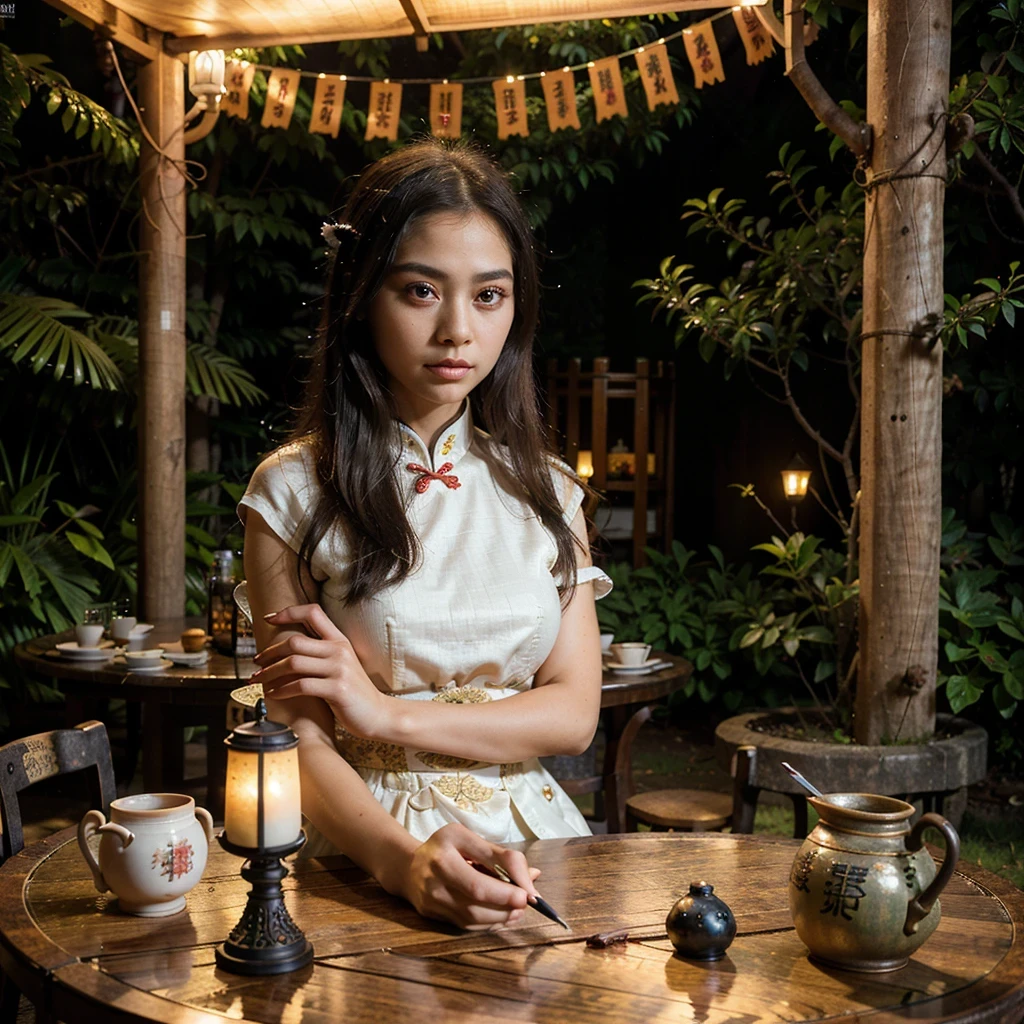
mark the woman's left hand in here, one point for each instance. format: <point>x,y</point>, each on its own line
<point>323,666</point>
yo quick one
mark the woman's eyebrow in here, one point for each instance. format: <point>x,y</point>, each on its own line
<point>428,271</point>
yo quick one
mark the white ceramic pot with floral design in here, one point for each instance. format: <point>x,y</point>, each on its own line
<point>151,852</point>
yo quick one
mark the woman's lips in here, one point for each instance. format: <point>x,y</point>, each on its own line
<point>450,372</point>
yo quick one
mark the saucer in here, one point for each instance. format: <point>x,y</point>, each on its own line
<point>173,651</point>
<point>151,670</point>
<point>650,665</point>
<point>70,651</point>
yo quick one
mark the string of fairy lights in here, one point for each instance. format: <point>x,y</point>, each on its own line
<point>513,116</point>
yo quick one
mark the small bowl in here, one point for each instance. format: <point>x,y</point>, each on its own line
<point>150,658</point>
<point>193,641</point>
<point>606,641</point>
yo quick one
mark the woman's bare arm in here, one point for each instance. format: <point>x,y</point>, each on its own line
<point>557,716</point>
<point>334,797</point>
<point>435,876</point>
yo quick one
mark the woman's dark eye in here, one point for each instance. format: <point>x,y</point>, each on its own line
<point>422,291</point>
<point>491,296</point>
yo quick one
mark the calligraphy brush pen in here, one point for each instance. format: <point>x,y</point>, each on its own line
<point>540,905</point>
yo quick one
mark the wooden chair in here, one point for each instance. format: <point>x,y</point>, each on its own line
<point>686,810</point>
<point>24,762</point>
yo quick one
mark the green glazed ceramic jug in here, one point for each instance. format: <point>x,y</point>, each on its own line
<point>863,889</point>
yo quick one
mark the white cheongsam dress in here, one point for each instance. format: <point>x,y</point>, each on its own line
<point>472,623</point>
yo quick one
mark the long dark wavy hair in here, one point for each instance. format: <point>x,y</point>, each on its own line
<point>349,414</point>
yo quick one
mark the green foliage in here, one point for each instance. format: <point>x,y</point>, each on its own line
<point>751,641</point>
<point>982,615</point>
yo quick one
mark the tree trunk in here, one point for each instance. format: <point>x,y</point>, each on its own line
<point>908,91</point>
<point>162,342</point>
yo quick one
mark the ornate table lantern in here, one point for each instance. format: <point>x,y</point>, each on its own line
<point>263,823</point>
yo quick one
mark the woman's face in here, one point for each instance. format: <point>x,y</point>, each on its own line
<point>444,311</point>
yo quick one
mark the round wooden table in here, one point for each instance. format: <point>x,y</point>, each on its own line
<point>170,701</point>
<point>70,951</point>
<point>179,697</point>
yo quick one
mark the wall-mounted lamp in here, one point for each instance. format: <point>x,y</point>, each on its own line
<point>206,83</point>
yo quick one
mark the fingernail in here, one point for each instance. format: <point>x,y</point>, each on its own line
<point>270,615</point>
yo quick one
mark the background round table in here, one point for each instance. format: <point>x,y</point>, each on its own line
<point>179,697</point>
<point>68,948</point>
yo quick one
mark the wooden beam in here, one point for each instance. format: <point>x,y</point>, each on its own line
<point>113,23</point>
<point>901,418</point>
<point>231,40</point>
<point>161,415</point>
<point>420,22</point>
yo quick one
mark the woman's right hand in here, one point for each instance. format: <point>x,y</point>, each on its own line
<point>441,882</point>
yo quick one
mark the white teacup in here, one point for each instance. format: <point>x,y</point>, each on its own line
<point>631,653</point>
<point>89,635</point>
<point>606,642</point>
<point>121,627</point>
<point>152,851</point>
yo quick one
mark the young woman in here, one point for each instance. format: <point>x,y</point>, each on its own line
<point>417,564</point>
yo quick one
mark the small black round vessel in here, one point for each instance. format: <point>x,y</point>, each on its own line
<point>700,925</point>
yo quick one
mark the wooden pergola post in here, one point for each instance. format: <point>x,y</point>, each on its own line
<point>161,416</point>
<point>901,418</point>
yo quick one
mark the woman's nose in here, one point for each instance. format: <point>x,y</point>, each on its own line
<point>453,324</point>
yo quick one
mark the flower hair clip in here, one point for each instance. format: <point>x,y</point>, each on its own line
<point>330,231</point>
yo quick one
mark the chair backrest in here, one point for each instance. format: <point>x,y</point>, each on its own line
<point>29,760</point>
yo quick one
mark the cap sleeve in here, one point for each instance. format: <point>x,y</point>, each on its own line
<point>280,490</point>
<point>571,501</point>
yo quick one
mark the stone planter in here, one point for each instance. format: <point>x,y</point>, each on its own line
<point>937,772</point>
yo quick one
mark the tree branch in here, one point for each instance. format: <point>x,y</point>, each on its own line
<point>1001,180</point>
<point>802,420</point>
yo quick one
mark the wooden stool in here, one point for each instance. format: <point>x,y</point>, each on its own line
<point>682,810</point>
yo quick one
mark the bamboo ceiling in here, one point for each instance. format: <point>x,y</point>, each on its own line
<point>213,24</point>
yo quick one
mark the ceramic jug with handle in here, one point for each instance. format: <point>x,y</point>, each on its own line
<point>152,851</point>
<point>863,889</point>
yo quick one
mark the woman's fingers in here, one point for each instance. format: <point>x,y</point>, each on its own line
<point>517,867</point>
<point>295,666</point>
<point>311,615</point>
<point>294,644</point>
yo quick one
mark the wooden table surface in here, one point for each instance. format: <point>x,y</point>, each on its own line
<point>377,961</point>
<point>181,696</point>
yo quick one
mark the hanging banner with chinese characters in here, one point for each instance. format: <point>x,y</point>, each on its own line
<point>385,104</point>
<point>656,75</point>
<point>606,81</point>
<point>446,110</point>
<point>282,89</point>
<point>702,50</point>
<point>756,40</point>
<point>510,104</point>
<point>560,99</point>
<point>325,118</point>
<point>238,81</point>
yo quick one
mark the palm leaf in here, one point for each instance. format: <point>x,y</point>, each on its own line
<point>31,328</point>
<point>213,373</point>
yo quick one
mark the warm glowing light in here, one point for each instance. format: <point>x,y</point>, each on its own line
<point>321,75</point>
<point>206,75</point>
<point>510,78</point>
<point>282,817</point>
<point>796,479</point>
<point>584,464</point>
